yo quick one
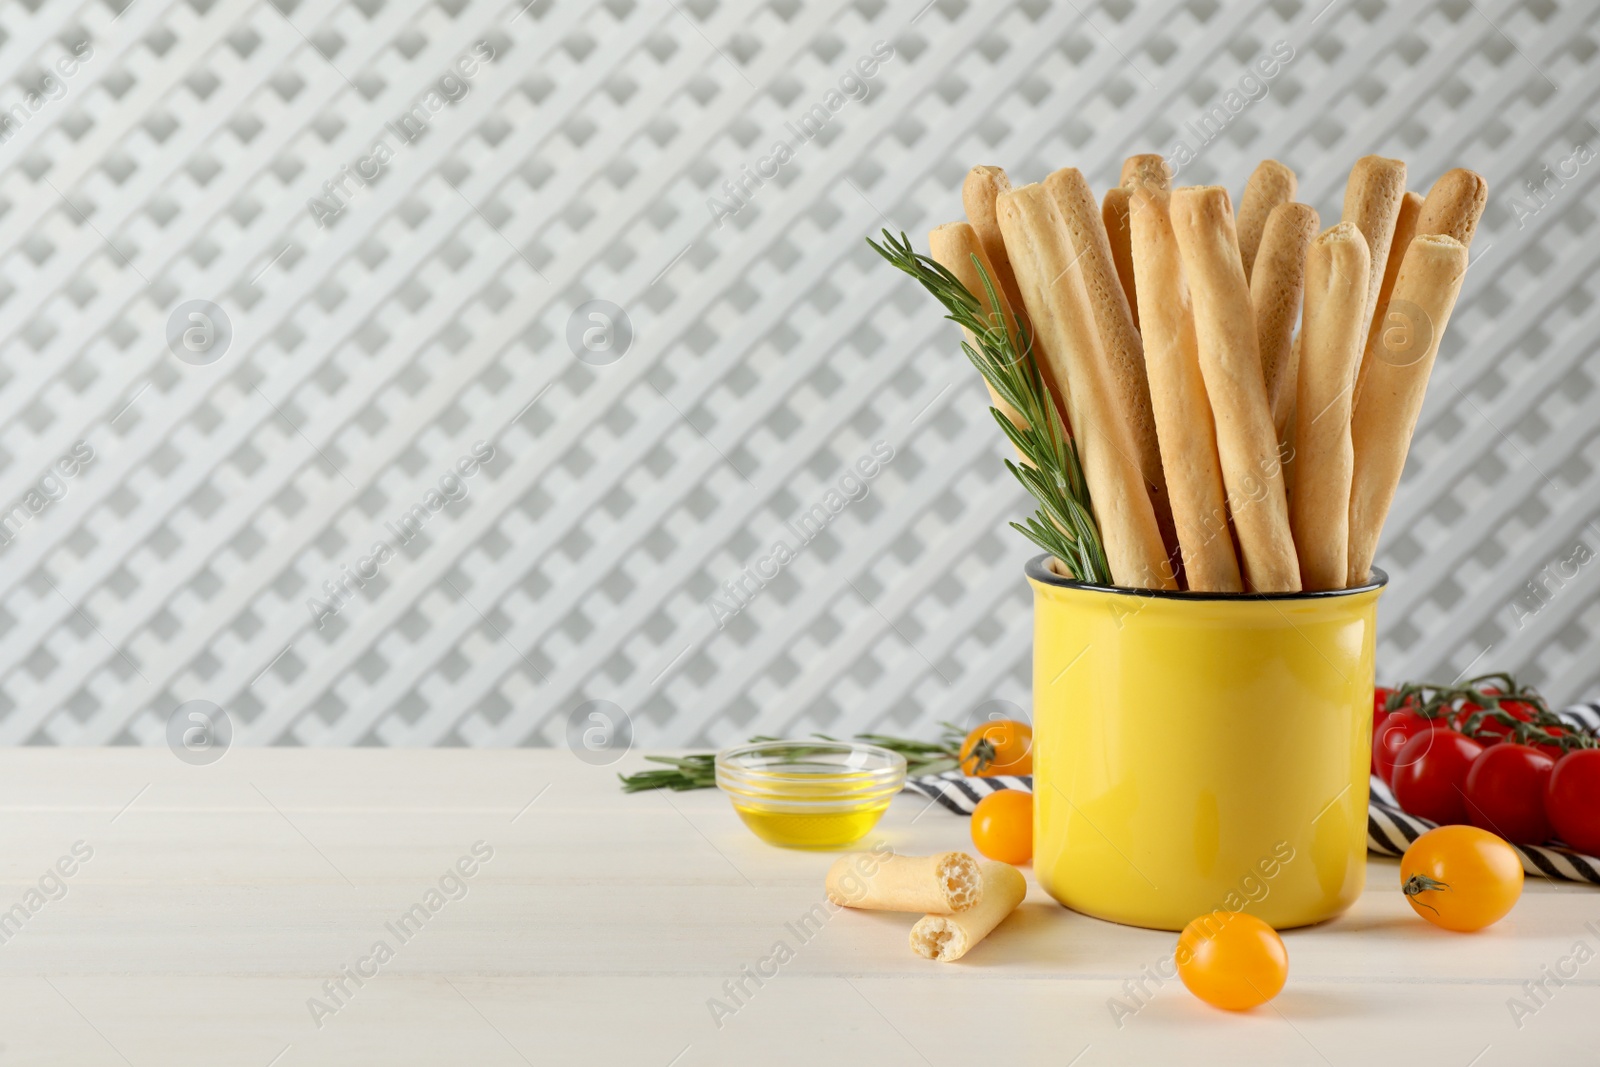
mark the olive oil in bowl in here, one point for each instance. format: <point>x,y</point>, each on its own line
<point>810,794</point>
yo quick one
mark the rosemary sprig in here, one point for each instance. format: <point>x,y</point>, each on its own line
<point>687,772</point>
<point>698,770</point>
<point>1065,524</point>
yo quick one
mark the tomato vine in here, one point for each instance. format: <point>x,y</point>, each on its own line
<point>1487,693</point>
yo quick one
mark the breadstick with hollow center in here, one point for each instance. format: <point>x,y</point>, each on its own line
<point>952,246</point>
<point>1372,197</point>
<point>1319,487</point>
<point>1275,290</point>
<point>949,937</point>
<point>1230,360</point>
<point>1184,424</point>
<point>1270,185</point>
<point>1124,351</point>
<point>940,885</point>
<point>1065,339</point>
<point>1385,416</point>
<point>978,193</point>
<point>1147,169</point>
<point>1405,227</point>
<point>1454,205</point>
<point>1114,212</point>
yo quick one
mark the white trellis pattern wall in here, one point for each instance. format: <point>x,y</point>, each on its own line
<point>380,500</point>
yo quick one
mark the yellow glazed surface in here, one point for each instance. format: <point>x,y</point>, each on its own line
<point>1194,753</point>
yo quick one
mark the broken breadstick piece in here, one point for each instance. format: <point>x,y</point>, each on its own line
<point>1405,227</point>
<point>1114,211</point>
<point>1066,340</point>
<point>1270,185</point>
<point>939,885</point>
<point>953,247</point>
<point>1230,361</point>
<point>1319,487</point>
<point>983,185</point>
<point>1275,290</point>
<point>1119,340</point>
<point>1386,414</point>
<point>1184,423</point>
<point>1372,197</point>
<point>1454,205</point>
<point>949,937</point>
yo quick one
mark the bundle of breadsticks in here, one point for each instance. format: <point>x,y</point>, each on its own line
<point>1223,449</point>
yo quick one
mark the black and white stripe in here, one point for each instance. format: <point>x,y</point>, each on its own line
<point>960,794</point>
<point>1585,717</point>
<point>1389,830</point>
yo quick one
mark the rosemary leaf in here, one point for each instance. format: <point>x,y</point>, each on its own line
<point>698,770</point>
<point>1064,524</point>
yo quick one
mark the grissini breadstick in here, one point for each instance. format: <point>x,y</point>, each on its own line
<point>1271,184</point>
<point>952,246</point>
<point>1178,397</point>
<point>1065,339</point>
<point>1386,414</point>
<point>1202,221</point>
<point>1119,340</point>
<point>940,885</point>
<point>1147,169</point>
<point>1405,227</point>
<point>1454,205</point>
<point>1372,198</point>
<point>1275,289</point>
<point>978,193</point>
<point>1319,487</point>
<point>1114,211</point>
<point>949,937</point>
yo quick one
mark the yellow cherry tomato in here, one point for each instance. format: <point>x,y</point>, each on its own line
<point>1002,826</point>
<point>1461,877</point>
<point>1232,960</point>
<point>1003,746</point>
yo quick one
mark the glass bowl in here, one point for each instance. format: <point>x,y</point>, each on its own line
<point>810,794</point>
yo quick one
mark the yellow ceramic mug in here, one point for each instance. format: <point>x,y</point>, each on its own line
<point>1197,751</point>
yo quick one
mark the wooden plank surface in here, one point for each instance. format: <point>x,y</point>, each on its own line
<point>218,900</point>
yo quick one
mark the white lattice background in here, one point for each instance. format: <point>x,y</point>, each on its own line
<point>770,352</point>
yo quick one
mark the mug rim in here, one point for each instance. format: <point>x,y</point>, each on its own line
<point>1038,572</point>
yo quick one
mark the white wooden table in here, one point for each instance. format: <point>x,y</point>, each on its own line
<point>218,901</point>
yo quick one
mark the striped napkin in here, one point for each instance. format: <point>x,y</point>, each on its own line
<point>1389,830</point>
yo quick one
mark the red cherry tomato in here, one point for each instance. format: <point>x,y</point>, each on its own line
<point>1467,707</point>
<point>1555,752</point>
<point>1380,712</point>
<point>1572,799</point>
<point>1381,697</point>
<point>1397,728</point>
<point>1505,792</point>
<point>1517,709</point>
<point>1430,775</point>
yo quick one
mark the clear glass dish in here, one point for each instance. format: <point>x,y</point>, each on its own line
<point>810,794</point>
